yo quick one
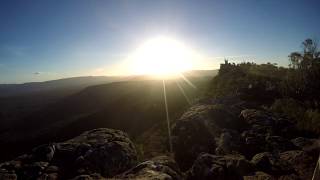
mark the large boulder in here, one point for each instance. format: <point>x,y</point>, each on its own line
<point>197,130</point>
<point>101,151</point>
<point>161,168</point>
<point>105,151</point>
<point>209,166</point>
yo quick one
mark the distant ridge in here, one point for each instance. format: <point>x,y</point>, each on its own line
<point>67,83</point>
<point>78,83</point>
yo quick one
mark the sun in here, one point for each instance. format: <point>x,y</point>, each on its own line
<point>161,56</point>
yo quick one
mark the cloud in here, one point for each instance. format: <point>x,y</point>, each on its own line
<point>37,73</point>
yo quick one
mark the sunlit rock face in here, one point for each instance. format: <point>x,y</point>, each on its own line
<point>100,152</point>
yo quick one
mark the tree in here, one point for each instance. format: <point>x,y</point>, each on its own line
<point>310,48</point>
<point>303,78</point>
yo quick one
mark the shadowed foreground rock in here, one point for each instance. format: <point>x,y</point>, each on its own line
<point>209,166</point>
<point>211,141</point>
<point>196,130</point>
<point>104,152</point>
<point>160,168</point>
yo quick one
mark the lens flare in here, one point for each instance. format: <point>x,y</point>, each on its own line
<point>161,56</point>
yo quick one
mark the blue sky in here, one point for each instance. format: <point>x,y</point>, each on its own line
<point>43,40</point>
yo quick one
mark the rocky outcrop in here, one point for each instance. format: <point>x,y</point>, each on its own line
<point>263,122</point>
<point>104,152</point>
<point>310,146</point>
<point>214,142</point>
<point>196,131</point>
<point>209,166</point>
<point>266,132</point>
<point>300,162</point>
<point>210,141</point>
<point>294,164</point>
<point>161,168</point>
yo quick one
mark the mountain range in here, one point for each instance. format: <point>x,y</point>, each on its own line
<point>60,109</point>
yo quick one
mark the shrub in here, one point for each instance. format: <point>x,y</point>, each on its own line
<point>311,121</point>
<point>289,107</point>
<point>307,120</point>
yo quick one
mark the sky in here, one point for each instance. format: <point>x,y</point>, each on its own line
<point>52,39</point>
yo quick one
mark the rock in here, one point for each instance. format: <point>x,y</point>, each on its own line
<point>293,164</point>
<point>8,176</point>
<point>301,162</point>
<point>285,128</point>
<point>253,143</point>
<point>89,177</point>
<point>302,142</point>
<point>270,163</point>
<point>192,135</point>
<point>161,168</point>
<point>196,130</point>
<point>11,165</point>
<point>104,151</point>
<point>235,104</point>
<point>50,176</point>
<point>263,122</point>
<point>44,152</point>
<point>263,161</point>
<point>259,175</point>
<point>209,166</point>
<point>52,169</point>
<point>289,177</point>
<point>229,142</point>
<point>267,132</point>
<point>32,170</point>
<point>310,146</point>
<point>257,117</point>
<point>279,144</point>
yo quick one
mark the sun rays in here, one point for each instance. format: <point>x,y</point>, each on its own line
<point>165,58</point>
<point>185,95</point>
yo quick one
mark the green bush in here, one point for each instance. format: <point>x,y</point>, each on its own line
<point>311,121</point>
<point>307,119</point>
<point>252,82</point>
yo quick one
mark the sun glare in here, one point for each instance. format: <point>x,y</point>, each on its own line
<point>161,56</point>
